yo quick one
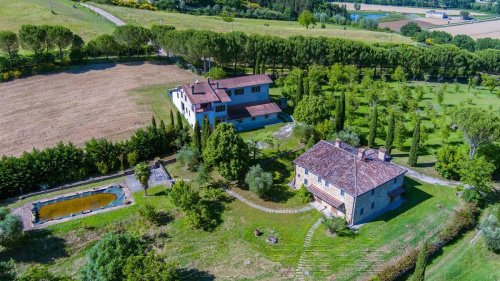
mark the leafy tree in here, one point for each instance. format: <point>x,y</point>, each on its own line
<point>413,157</point>
<point>491,233</point>
<point>216,73</point>
<point>477,173</point>
<point>303,132</point>
<point>7,271</point>
<point>410,29</point>
<point>142,174</point>
<point>61,37</point>
<point>203,175</point>
<point>132,37</point>
<point>312,110</point>
<point>340,113</point>
<point>348,135</point>
<point>106,260</point>
<point>40,273</point>
<point>373,126</point>
<point>489,81</point>
<point>389,138</point>
<point>449,162</point>
<point>103,154</point>
<point>32,38</point>
<point>149,268</point>
<point>11,228</point>
<point>197,136</point>
<point>306,18</point>
<point>478,126</point>
<point>258,181</point>
<point>183,196</point>
<point>188,156</point>
<point>399,74</point>
<point>491,152</point>
<point>464,42</point>
<point>337,225</point>
<point>132,158</point>
<point>107,45</point>
<point>304,195</point>
<point>227,151</point>
<point>9,43</point>
<point>419,273</point>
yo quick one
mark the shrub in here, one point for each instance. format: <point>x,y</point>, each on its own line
<point>132,158</point>
<point>149,212</point>
<point>7,271</point>
<point>258,181</point>
<point>11,228</point>
<point>449,162</point>
<point>149,267</point>
<point>304,195</point>
<point>216,73</point>
<point>463,219</point>
<point>188,156</point>
<point>491,233</point>
<point>337,225</point>
<point>183,196</point>
<point>40,272</point>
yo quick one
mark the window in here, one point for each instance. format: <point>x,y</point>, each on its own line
<point>177,94</point>
<point>319,179</point>
<point>373,205</point>
<point>255,89</point>
<point>266,116</point>
<point>220,108</point>
<point>395,180</point>
<point>239,91</point>
<point>327,184</point>
<point>228,92</point>
<point>253,118</point>
<point>341,193</point>
<point>185,98</point>
<point>361,211</point>
<point>240,121</point>
<point>306,171</point>
<point>305,181</point>
<point>373,191</point>
<point>182,106</point>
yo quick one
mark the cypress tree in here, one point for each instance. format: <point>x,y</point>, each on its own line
<point>263,66</point>
<point>373,127</point>
<point>197,136</point>
<point>205,131</point>
<point>390,133</point>
<point>419,273</point>
<point>412,159</point>
<point>153,122</point>
<point>172,123</point>
<point>179,126</point>
<point>340,113</point>
<point>256,67</point>
<point>306,86</point>
<point>163,137</point>
<point>300,89</point>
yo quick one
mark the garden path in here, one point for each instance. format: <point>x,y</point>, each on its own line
<point>104,14</point>
<point>268,210</point>
<point>301,270</point>
<point>428,179</point>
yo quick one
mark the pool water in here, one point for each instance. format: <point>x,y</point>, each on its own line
<point>355,17</point>
<point>77,204</point>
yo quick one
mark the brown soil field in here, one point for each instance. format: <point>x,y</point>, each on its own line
<point>76,105</point>
<point>409,10</point>
<point>396,25</point>
<point>475,30</point>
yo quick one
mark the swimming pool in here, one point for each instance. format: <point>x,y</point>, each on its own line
<point>77,204</point>
<point>355,17</point>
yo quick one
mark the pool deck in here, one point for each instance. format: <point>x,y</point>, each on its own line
<point>24,212</point>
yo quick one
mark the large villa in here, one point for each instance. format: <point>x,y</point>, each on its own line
<point>242,101</point>
<point>357,184</point>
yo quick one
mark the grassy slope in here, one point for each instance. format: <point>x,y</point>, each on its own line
<point>14,14</point>
<point>278,28</point>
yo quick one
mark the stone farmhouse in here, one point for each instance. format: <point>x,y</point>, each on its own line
<point>357,184</point>
<point>436,15</point>
<point>243,101</point>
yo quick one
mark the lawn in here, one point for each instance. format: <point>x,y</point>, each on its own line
<point>80,20</point>
<point>426,208</point>
<point>271,27</point>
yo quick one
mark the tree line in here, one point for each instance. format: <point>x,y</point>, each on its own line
<point>457,4</point>
<point>44,169</point>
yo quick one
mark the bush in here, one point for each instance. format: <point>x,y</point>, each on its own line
<point>183,196</point>
<point>337,225</point>
<point>463,219</point>
<point>149,267</point>
<point>40,272</point>
<point>11,228</point>
<point>304,195</point>
<point>188,156</point>
<point>449,161</point>
<point>7,271</point>
<point>258,181</point>
<point>149,212</point>
<point>216,73</point>
<point>491,233</point>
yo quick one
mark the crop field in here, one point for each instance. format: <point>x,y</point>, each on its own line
<point>409,10</point>
<point>271,27</point>
<point>475,30</point>
<point>104,100</point>
<point>14,14</point>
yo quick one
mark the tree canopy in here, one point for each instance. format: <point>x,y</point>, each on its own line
<point>312,110</point>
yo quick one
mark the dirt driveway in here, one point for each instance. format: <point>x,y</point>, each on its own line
<point>89,101</point>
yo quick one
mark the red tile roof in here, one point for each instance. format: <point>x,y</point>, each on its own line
<point>325,196</point>
<point>253,109</point>
<point>203,93</point>
<point>341,167</point>
<point>244,81</point>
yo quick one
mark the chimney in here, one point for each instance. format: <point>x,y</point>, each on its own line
<point>192,89</point>
<point>382,153</point>
<point>209,80</point>
<point>361,153</point>
<point>217,85</point>
<point>338,142</point>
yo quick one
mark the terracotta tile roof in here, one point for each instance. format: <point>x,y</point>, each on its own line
<point>396,192</point>
<point>253,109</point>
<point>325,196</point>
<point>203,93</point>
<point>341,167</point>
<point>244,81</point>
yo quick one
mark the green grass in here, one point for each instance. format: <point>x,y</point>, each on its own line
<point>271,27</point>
<point>80,20</point>
<point>420,217</point>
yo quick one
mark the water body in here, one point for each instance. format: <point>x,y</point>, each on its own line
<point>355,17</point>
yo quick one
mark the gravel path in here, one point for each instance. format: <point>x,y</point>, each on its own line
<point>428,179</point>
<point>300,271</point>
<point>268,210</point>
<point>104,14</point>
